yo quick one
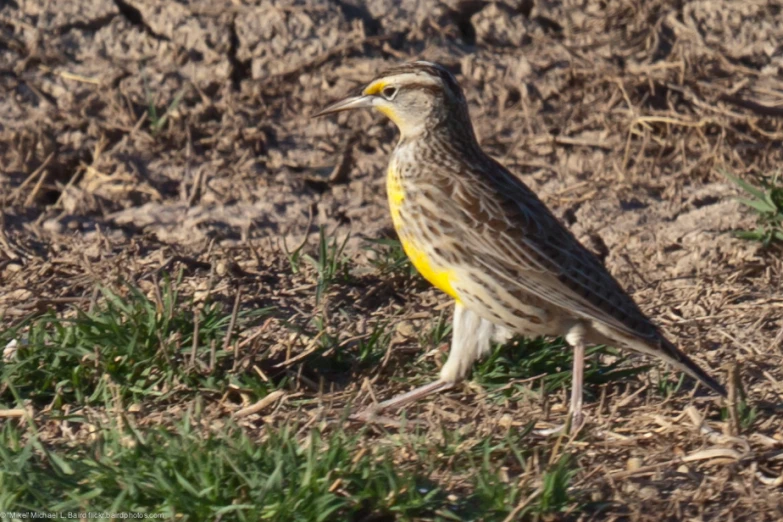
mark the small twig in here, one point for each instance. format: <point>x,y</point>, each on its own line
<point>70,76</point>
<point>302,379</point>
<point>643,469</point>
<point>261,373</point>
<point>31,197</point>
<point>11,251</point>
<point>13,413</point>
<point>310,349</point>
<point>31,177</point>
<point>41,304</point>
<point>212,355</point>
<point>194,347</point>
<point>231,326</point>
<point>698,421</point>
<point>260,405</point>
<point>733,398</point>
<point>261,330</point>
<point>518,509</point>
<point>565,140</point>
<point>627,400</point>
<point>195,191</point>
<point>252,353</point>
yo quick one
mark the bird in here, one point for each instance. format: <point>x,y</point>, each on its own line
<point>476,232</point>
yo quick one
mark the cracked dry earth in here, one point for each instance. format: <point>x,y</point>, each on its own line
<point>620,115</point>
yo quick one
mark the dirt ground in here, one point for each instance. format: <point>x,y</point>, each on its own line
<point>620,114</point>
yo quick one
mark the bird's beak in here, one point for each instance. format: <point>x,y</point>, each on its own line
<point>354,102</point>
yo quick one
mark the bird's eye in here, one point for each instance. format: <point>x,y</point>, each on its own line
<point>389,92</point>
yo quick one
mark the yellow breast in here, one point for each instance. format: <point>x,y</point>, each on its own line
<point>438,276</point>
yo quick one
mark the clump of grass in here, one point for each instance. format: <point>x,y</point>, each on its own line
<point>390,258</point>
<point>331,264</point>
<point>129,347</point>
<point>438,333</point>
<point>156,121</point>
<point>767,201</point>
<point>338,359</point>
<point>746,414</point>
<point>524,358</point>
<point>285,476</point>
<point>556,481</point>
<point>669,383</point>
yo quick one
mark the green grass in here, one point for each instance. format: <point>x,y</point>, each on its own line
<point>176,457</point>
<point>554,494</point>
<point>330,263</point>
<point>438,333</point>
<point>340,360</point>
<point>747,414</point>
<point>158,121</point>
<point>668,382</point>
<point>522,359</point>
<point>390,258</point>
<point>767,202</point>
<point>287,475</point>
<point>129,347</point>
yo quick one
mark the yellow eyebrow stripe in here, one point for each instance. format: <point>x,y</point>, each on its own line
<point>375,87</point>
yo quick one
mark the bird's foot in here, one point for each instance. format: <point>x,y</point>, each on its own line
<point>574,424</point>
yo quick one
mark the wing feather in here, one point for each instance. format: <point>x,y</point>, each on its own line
<point>526,246</point>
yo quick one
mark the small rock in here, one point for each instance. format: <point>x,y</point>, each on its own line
<point>20,295</point>
<point>9,352</point>
<point>633,464</point>
<point>13,268</point>
<point>53,225</point>
<point>648,493</point>
<point>221,268</point>
<point>405,329</point>
<point>597,496</point>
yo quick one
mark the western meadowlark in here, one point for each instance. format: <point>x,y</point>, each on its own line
<point>480,235</point>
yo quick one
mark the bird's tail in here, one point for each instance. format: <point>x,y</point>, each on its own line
<point>658,346</point>
<point>671,354</point>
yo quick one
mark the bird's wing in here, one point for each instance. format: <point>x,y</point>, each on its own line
<point>513,235</point>
<point>523,243</point>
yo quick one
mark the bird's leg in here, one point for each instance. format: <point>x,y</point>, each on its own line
<point>576,339</point>
<point>577,386</point>
<point>471,337</point>
<point>401,400</point>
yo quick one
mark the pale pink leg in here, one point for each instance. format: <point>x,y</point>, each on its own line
<point>401,400</point>
<point>575,339</point>
<point>577,385</point>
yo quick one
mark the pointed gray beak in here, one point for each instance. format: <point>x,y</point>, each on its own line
<point>354,102</point>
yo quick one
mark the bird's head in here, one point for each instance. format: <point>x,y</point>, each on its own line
<point>416,96</point>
